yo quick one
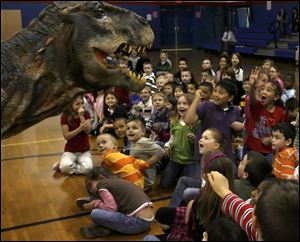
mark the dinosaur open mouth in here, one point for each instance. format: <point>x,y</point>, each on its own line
<point>111,61</point>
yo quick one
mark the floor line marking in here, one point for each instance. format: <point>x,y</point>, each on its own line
<point>93,151</point>
<point>32,142</point>
<point>61,218</point>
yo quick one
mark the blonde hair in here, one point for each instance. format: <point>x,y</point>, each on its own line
<point>161,95</point>
<point>111,138</point>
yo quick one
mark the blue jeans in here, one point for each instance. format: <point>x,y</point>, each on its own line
<point>190,193</point>
<point>150,238</point>
<point>120,222</point>
<point>149,177</point>
<point>183,183</point>
<point>174,170</point>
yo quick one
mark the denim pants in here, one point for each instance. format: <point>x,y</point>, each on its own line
<point>190,193</point>
<point>150,238</point>
<point>149,177</point>
<point>183,183</point>
<point>120,222</point>
<point>174,170</point>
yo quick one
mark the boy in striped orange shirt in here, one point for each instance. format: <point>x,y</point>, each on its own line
<point>286,158</point>
<point>124,166</point>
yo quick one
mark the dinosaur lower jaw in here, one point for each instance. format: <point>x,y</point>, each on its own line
<point>110,63</point>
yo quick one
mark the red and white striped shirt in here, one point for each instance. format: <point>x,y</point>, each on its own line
<point>241,212</point>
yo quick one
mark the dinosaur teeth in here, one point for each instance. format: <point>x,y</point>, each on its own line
<point>130,49</point>
<point>136,77</point>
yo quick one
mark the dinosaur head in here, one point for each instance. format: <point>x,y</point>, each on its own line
<point>65,52</point>
<point>100,32</point>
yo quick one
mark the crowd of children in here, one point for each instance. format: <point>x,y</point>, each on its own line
<point>184,127</point>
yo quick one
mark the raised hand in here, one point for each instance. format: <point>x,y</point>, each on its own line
<point>254,75</point>
<point>219,183</point>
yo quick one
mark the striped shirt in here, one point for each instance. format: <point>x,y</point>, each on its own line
<point>106,201</point>
<point>151,82</point>
<point>241,212</point>
<point>285,162</point>
<point>126,167</point>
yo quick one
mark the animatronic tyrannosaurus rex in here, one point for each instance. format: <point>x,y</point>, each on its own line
<point>64,53</point>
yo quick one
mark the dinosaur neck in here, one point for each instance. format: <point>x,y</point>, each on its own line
<point>23,45</point>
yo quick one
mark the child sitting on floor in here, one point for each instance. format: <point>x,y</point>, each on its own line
<point>286,158</point>
<point>126,167</point>
<point>120,206</point>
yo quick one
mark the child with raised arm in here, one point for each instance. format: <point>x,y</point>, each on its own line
<point>219,114</point>
<point>264,114</point>
<point>278,199</point>
<point>126,167</point>
<point>286,157</point>
<point>75,124</point>
<point>180,147</point>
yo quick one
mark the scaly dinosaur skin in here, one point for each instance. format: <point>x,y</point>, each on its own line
<point>64,53</point>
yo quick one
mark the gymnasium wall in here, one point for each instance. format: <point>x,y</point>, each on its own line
<point>207,21</point>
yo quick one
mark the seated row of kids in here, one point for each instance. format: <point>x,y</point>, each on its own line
<point>187,134</point>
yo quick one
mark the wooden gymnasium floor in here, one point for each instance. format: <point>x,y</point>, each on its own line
<point>36,202</point>
<point>39,204</point>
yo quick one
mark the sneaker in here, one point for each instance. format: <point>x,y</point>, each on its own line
<point>55,166</point>
<point>81,201</point>
<point>93,231</point>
